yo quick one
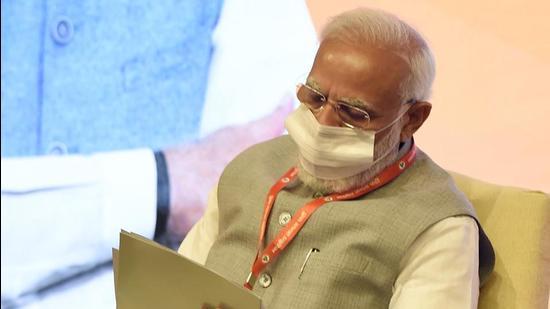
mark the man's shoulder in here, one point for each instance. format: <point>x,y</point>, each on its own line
<point>274,156</point>
<point>283,143</point>
<point>426,181</point>
<point>427,170</point>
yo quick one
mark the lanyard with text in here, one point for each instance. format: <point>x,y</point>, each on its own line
<point>287,234</point>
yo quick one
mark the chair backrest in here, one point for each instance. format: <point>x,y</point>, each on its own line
<point>517,222</point>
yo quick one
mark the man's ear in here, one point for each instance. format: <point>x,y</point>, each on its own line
<point>416,115</point>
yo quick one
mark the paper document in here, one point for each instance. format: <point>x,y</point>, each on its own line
<point>149,275</point>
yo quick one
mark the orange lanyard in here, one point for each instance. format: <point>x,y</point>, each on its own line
<point>287,234</point>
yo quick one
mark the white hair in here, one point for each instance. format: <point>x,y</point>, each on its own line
<point>365,27</point>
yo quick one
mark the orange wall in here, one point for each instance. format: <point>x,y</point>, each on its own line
<point>491,98</point>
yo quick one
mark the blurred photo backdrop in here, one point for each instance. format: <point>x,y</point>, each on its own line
<point>134,65</point>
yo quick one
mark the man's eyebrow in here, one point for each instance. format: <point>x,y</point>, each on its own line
<point>364,105</point>
<point>313,84</point>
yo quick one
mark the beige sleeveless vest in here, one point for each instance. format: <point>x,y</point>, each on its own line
<point>360,243</point>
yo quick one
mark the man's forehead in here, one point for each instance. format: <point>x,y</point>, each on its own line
<point>395,54</point>
<point>374,74</point>
<point>356,101</point>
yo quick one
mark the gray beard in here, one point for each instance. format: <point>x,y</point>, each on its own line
<point>328,186</point>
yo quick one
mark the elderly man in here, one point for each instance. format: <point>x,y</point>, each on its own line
<point>347,212</point>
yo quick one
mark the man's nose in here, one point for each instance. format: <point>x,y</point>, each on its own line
<point>328,115</point>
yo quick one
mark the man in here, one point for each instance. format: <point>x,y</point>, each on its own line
<point>366,219</point>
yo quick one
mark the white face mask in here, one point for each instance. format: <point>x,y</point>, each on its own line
<point>329,152</point>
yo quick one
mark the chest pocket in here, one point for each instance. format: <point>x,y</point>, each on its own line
<point>343,243</point>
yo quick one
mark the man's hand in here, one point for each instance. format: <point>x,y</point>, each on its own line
<point>194,169</point>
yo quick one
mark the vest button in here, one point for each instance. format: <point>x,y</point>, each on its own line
<point>284,218</point>
<point>265,280</point>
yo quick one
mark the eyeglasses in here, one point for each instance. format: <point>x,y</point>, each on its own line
<point>351,116</point>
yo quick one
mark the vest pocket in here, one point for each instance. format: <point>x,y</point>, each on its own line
<point>326,261</point>
<point>323,276</point>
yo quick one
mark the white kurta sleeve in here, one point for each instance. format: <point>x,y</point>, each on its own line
<point>440,270</point>
<point>62,214</point>
<point>201,237</point>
